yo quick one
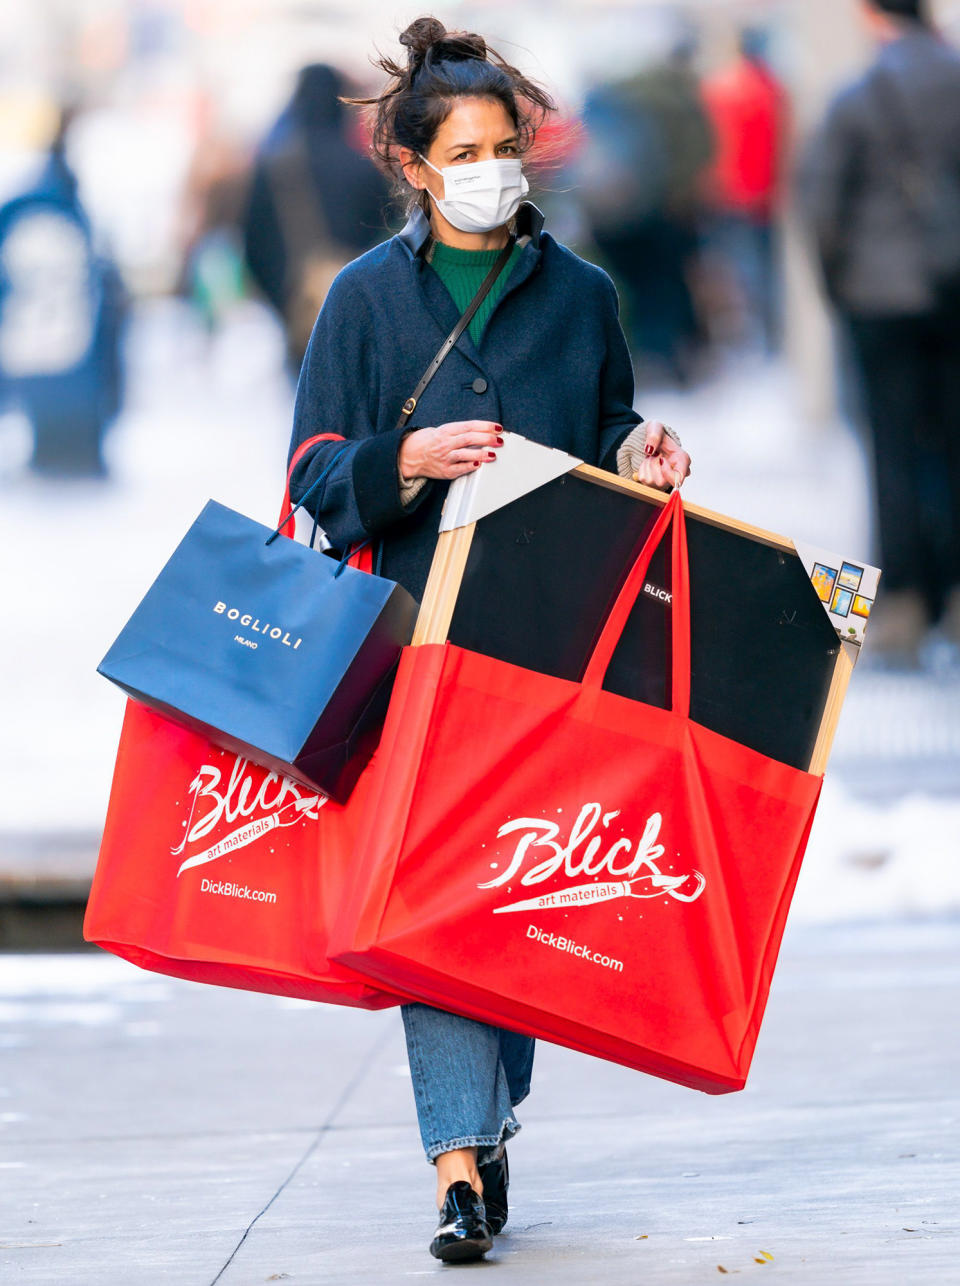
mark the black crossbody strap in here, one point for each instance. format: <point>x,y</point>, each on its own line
<point>410,405</point>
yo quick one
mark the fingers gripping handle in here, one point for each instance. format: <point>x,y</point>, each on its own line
<point>671,515</point>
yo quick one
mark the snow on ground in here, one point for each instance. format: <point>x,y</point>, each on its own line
<point>212,420</point>
<point>868,860</point>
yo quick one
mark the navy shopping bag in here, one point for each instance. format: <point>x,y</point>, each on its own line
<point>268,647</point>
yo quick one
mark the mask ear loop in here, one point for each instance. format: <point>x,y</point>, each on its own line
<point>437,200</point>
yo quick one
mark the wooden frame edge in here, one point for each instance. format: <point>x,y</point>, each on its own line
<point>443,585</point>
<point>840,680</point>
<point>615,483</point>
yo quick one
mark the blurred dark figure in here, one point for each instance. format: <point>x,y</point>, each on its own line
<point>647,144</point>
<point>881,185</point>
<point>315,203</point>
<point>747,108</point>
<point>62,309</point>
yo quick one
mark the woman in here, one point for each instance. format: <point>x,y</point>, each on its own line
<point>544,356</point>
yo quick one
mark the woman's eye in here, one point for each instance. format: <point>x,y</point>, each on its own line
<point>508,147</point>
<point>463,156</point>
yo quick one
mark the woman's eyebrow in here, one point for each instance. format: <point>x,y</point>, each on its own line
<point>460,147</point>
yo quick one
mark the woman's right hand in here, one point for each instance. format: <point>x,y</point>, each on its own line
<point>449,450</point>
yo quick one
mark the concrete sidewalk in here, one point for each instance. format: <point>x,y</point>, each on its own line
<point>158,1132</point>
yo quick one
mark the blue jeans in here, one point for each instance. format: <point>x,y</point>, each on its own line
<point>467,1079</point>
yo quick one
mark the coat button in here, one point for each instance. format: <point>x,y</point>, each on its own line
<point>479,385</point>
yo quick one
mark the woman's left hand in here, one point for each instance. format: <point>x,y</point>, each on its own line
<point>664,463</point>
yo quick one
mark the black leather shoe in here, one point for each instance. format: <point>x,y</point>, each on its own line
<point>495,1177</point>
<point>463,1232</point>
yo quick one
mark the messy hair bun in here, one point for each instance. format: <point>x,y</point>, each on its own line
<point>427,38</point>
<point>442,66</point>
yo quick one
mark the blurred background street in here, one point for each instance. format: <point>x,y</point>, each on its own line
<point>152,277</point>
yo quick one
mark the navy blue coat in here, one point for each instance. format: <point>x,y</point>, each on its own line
<point>552,364</point>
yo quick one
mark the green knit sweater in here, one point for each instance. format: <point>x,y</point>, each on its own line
<point>463,271</point>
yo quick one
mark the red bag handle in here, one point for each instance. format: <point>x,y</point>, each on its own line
<point>670,514</point>
<point>363,559</point>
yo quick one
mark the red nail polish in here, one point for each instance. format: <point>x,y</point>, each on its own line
<point>476,464</point>
<point>648,450</point>
<point>499,442</point>
<point>491,456</point>
<point>498,427</point>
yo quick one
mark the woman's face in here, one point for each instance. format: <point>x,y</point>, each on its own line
<point>477,129</point>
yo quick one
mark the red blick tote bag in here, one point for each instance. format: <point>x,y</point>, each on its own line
<point>575,865</point>
<point>216,869</point>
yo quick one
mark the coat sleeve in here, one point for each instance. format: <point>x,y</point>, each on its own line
<point>617,417</point>
<point>338,393</point>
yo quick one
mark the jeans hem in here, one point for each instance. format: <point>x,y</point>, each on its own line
<point>487,1145</point>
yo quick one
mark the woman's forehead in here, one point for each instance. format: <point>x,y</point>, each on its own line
<point>475,120</point>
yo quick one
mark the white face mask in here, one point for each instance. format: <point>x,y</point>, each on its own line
<point>481,196</point>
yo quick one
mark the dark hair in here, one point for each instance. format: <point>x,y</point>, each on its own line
<point>915,10</point>
<point>443,66</point>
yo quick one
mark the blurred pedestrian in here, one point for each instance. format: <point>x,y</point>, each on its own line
<point>747,107</point>
<point>214,275</point>
<point>62,310</point>
<point>880,184</point>
<point>314,204</point>
<point>638,174</point>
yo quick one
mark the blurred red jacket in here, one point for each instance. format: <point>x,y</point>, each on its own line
<point>748,111</point>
